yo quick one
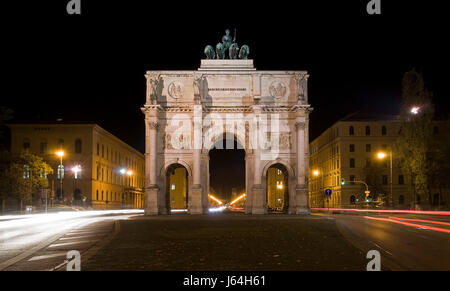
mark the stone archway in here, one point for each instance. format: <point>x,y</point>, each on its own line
<point>227,145</point>
<point>288,186</point>
<point>176,190</point>
<point>266,111</point>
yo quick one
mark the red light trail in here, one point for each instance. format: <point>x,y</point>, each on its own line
<point>388,211</point>
<point>409,224</point>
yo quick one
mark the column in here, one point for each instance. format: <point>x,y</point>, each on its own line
<point>258,197</point>
<point>151,188</point>
<point>196,205</point>
<point>301,190</point>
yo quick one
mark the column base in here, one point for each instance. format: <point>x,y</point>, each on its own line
<point>258,205</point>
<point>151,199</point>
<point>301,199</point>
<point>196,205</point>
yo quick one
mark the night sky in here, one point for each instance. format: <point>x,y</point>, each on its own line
<point>90,67</point>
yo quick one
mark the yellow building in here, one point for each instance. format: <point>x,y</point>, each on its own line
<point>97,168</point>
<point>348,150</point>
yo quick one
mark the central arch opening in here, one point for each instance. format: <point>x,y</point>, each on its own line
<point>227,174</point>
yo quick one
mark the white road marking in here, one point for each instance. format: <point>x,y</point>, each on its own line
<point>37,258</point>
<point>68,243</point>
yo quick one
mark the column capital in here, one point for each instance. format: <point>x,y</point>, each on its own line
<point>153,125</point>
<point>299,125</point>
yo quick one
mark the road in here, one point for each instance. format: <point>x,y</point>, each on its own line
<point>126,240</point>
<point>41,241</point>
<point>406,242</point>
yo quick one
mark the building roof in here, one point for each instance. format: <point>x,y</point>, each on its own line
<point>71,123</point>
<point>370,116</point>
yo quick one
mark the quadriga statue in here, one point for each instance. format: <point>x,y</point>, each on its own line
<point>234,51</point>
<point>209,52</point>
<point>220,51</point>
<point>244,52</point>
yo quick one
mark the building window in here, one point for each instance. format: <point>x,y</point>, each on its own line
<point>401,199</point>
<point>98,149</point>
<point>401,180</point>
<point>383,130</point>
<point>103,151</point>
<point>26,144</point>
<point>352,148</point>
<point>352,179</point>
<point>368,162</point>
<point>102,174</point>
<point>26,172</point>
<point>102,195</point>
<point>351,130</point>
<point>352,199</point>
<point>98,173</point>
<point>43,147</point>
<point>368,148</point>
<point>60,171</point>
<point>352,163</point>
<point>78,146</point>
<point>97,195</point>
<point>367,130</point>
<point>60,143</point>
<point>385,179</point>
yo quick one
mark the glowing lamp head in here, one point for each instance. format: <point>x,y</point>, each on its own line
<point>280,185</point>
<point>122,171</point>
<point>381,155</point>
<point>415,110</point>
<point>129,172</point>
<point>76,169</point>
<point>316,173</point>
<point>60,154</point>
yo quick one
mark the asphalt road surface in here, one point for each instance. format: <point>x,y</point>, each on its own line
<point>126,240</point>
<point>41,241</point>
<point>406,242</point>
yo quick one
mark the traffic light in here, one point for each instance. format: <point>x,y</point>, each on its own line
<point>342,182</point>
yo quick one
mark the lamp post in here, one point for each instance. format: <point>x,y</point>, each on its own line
<point>76,170</point>
<point>381,156</point>
<point>317,173</point>
<point>124,171</point>
<point>60,154</point>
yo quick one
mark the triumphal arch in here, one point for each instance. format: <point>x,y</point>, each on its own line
<point>186,112</point>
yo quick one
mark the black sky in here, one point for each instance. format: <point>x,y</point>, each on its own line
<point>91,66</point>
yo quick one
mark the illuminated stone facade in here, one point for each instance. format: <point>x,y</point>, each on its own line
<point>99,155</point>
<point>348,150</point>
<point>187,111</point>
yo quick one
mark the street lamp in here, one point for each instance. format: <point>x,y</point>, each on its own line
<point>415,110</point>
<point>76,170</point>
<point>317,173</point>
<point>381,156</point>
<point>124,171</point>
<point>60,154</point>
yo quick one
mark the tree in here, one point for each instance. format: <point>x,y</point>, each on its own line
<point>22,176</point>
<point>416,132</point>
